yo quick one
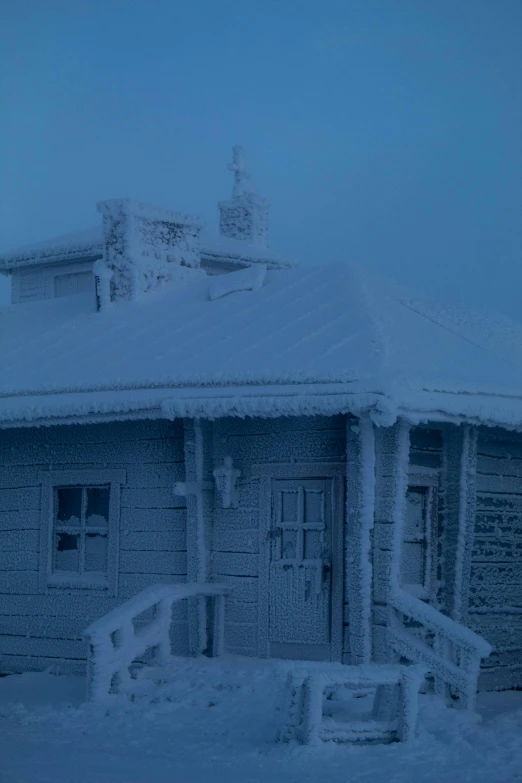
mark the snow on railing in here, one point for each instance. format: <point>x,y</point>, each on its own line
<point>115,641</point>
<point>451,651</point>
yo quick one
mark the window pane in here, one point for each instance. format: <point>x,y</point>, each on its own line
<point>312,544</point>
<point>96,553</point>
<point>415,518</point>
<point>98,506</point>
<point>67,552</point>
<point>289,506</point>
<point>69,505</point>
<point>314,506</point>
<point>413,564</point>
<point>288,544</point>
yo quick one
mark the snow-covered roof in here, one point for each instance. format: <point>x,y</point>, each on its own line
<point>312,340</point>
<point>89,243</point>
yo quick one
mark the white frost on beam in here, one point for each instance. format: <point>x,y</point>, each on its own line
<point>402,458</point>
<point>197,552</point>
<point>466,522</point>
<point>360,515</point>
<point>252,402</point>
<point>197,549</point>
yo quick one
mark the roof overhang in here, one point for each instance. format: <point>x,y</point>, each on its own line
<point>269,401</point>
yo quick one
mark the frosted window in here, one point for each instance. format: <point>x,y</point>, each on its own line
<point>73,283</point>
<point>69,500</point>
<point>413,567</point>
<point>81,529</point>
<point>66,557</point>
<point>312,544</point>
<point>415,556</point>
<point>289,506</point>
<point>313,506</point>
<point>415,521</point>
<point>289,544</point>
<point>97,505</point>
<point>96,552</point>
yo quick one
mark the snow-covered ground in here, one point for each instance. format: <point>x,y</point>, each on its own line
<point>215,722</point>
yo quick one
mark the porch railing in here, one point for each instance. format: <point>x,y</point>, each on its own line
<point>121,636</point>
<point>422,634</point>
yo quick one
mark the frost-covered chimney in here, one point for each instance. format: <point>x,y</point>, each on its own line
<point>145,247</point>
<point>245,216</point>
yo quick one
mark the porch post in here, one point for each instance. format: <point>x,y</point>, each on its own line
<point>199,505</point>
<point>460,464</point>
<point>360,496</point>
<point>391,480</point>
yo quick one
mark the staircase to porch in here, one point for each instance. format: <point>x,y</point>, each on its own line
<point>451,652</point>
<point>429,641</point>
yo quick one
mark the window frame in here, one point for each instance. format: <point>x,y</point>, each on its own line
<point>50,482</point>
<point>429,481</point>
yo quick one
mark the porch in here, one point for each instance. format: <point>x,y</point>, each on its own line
<point>136,636</point>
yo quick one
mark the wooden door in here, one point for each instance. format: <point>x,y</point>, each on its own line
<point>303,571</point>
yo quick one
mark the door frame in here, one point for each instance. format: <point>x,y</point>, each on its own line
<point>336,471</point>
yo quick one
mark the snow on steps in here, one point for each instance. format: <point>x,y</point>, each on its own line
<point>118,638</point>
<point>394,712</point>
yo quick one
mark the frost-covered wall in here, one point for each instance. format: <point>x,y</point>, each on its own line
<point>165,537</point>
<point>236,532</point>
<point>245,218</point>
<point>38,629</point>
<point>146,247</point>
<point>495,601</point>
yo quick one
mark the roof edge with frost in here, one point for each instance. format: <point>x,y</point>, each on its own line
<point>89,244</point>
<point>260,402</point>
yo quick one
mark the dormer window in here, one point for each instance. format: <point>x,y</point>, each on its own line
<point>73,283</point>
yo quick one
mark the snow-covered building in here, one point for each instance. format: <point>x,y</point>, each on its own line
<point>343,455</point>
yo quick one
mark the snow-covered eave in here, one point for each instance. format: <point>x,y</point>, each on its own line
<point>53,256</point>
<point>57,254</point>
<point>259,401</point>
<point>460,408</point>
<point>270,401</point>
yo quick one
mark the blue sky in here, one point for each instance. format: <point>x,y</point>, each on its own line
<point>388,132</point>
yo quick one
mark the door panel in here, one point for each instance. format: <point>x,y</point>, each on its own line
<point>300,574</point>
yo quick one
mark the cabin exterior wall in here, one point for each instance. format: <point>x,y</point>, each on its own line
<point>495,601</point>
<point>236,531</point>
<point>41,628</point>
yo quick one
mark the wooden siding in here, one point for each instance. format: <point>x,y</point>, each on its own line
<point>33,283</point>
<point>38,629</point>
<point>495,606</point>
<point>235,532</point>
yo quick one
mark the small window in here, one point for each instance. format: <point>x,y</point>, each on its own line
<point>416,557</point>
<point>73,283</point>
<point>80,529</point>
